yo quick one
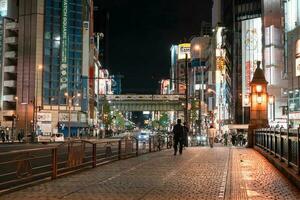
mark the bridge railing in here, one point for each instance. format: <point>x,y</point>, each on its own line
<point>283,144</point>
<point>26,167</point>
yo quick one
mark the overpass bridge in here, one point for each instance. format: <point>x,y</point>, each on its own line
<point>146,102</point>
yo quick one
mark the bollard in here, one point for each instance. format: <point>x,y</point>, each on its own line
<point>119,149</point>
<point>150,144</point>
<point>54,163</point>
<point>280,142</point>
<point>275,143</point>
<point>288,147</point>
<point>136,147</point>
<point>298,146</point>
<point>94,155</point>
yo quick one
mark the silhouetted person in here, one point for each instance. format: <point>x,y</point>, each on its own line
<point>2,136</point>
<point>178,132</point>
<point>211,135</point>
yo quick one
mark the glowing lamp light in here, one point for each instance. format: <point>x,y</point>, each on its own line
<point>258,88</point>
<point>246,100</point>
<point>259,99</point>
<point>197,47</point>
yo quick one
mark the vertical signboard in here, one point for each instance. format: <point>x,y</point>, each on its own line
<point>64,47</point>
<point>85,65</point>
<point>297,64</point>
<point>3,8</point>
<point>184,48</point>
<point>251,52</point>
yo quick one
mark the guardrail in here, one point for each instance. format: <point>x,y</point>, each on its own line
<point>22,168</point>
<point>283,144</point>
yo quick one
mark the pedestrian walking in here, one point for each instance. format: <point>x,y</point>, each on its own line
<point>2,136</point>
<point>7,137</point>
<point>178,131</point>
<point>19,136</point>
<point>185,133</point>
<point>211,135</point>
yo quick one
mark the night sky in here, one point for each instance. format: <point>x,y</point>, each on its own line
<point>141,33</point>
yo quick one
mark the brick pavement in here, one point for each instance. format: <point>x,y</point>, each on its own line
<point>200,173</point>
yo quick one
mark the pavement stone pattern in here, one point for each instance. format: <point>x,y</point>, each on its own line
<point>200,173</point>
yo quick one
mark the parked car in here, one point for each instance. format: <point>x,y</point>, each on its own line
<point>58,137</point>
<point>44,138</point>
<point>143,136</point>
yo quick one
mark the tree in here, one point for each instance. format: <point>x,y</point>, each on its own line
<point>107,117</point>
<point>164,121</point>
<point>119,121</point>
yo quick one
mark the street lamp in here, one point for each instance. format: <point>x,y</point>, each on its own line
<point>26,116</point>
<point>39,69</point>
<point>197,48</point>
<point>69,100</point>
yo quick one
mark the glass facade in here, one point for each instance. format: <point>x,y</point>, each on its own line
<point>52,95</point>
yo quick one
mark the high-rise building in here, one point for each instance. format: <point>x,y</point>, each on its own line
<point>292,58</point>
<point>8,64</point>
<point>54,65</point>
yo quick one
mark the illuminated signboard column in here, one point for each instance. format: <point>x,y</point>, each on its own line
<point>64,47</point>
<point>3,8</point>
<point>297,64</point>
<point>251,53</point>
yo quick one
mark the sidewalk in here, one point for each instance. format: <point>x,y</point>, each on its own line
<point>200,173</point>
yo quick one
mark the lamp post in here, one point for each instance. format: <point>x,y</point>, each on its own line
<point>198,49</point>
<point>35,118</point>
<point>69,101</point>
<point>26,117</point>
<point>258,104</point>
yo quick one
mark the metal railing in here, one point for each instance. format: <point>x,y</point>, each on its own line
<point>25,167</point>
<point>283,144</point>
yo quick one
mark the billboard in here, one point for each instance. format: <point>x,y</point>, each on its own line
<point>64,47</point>
<point>164,86</point>
<point>297,64</point>
<point>3,8</point>
<point>184,48</point>
<point>251,52</point>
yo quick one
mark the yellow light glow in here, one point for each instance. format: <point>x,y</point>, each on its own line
<point>246,100</point>
<point>259,99</point>
<point>258,88</point>
<point>197,47</point>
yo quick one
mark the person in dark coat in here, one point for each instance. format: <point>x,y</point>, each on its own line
<point>186,133</point>
<point>2,136</point>
<point>178,132</point>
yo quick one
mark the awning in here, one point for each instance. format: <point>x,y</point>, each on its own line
<point>238,126</point>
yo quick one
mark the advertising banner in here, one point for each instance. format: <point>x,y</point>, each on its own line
<point>44,127</point>
<point>3,8</point>
<point>44,117</point>
<point>297,67</point>
<point>251,52</point>
<point>297,64</point>
<point>64,47</point>
<point>184,48</point>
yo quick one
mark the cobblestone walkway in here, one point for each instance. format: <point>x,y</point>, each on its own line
<point>200,173</point>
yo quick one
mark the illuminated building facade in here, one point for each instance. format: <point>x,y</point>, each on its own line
<point>8,64</point>
<point>292,57</point>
